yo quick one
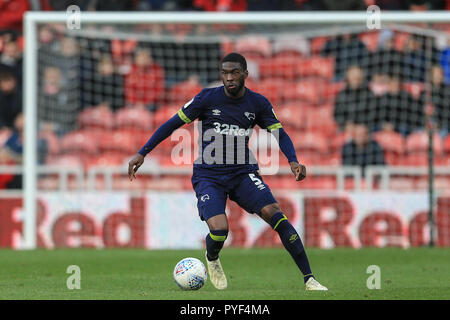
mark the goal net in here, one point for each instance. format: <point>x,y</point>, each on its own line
<point>360,106</point>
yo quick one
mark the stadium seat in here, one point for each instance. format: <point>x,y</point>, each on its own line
<point>321,119</point>
<point>370,39</point>
<point>282,67</point>
<point>311,142</point>
<point>338,141</point>
<point>330,90</point>
<point>418,142</point>
<point>66,160</point>
<point>77,142</point>
<point>165,113</point>
<point>307,91</point>
<point>96,117</point>
<point>290,46</point>
<point>316,66</point>
<point>393,145</point>
<point>105,159</point>
<point>182,92</point>
<point>291,115</point>
<point>134,118</point>
<point>120,140</point>
<point>447,145</point>
<point>272,89</point>
<point>252,45</point>
<point>318,43</point>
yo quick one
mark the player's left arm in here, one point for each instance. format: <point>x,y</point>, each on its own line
<point>268,120</point>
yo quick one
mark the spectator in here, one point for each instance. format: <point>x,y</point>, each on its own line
<point>355,103</point>
<point>333,5</point>
<point>418,51</point>
<point>10,99</point>
<point>11,154</point>
<point>114,5</point>
<point>145,83</point>
<point>348,50</point>
<point>58,105</point>
<point>444,60</point>
<point>384,61</point>
<point>362,150</point>
<point>107,85</point>
<point>440,100</point>
<point>62,5</point>
<point>397,109</point>
<point>11,57</point>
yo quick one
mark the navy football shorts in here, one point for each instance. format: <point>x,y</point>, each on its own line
<point>248,190</point>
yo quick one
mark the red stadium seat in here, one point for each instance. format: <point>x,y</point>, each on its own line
<point>272,89</point>
<point>164,113</point>
<point>321,119</point>
<point>290,46</point>
<point>318,43</point>
<point>134,118</point>
<point>96,117</point>
<point>282,67</point>
<point>311,142</point>
<point>79,142</point>
<point>370,39</point>
<point>330,91</point>
<point>105,159</point>
<point>66,160</point>
<point>253,45</point>
<point>123,140</point>
<point>447,145</point>
<point>291,115</point>
<point>307,91</point>
<point>393,145</point>
<point>418,142</point>
<point>316,66</point>
<point>338,141</point>
<point>184,91</point>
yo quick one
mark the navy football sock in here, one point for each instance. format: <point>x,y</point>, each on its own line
<point>214,243</point>
<point>292,242</point>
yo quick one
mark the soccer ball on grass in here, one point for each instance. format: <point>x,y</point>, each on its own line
<point>190,274</point>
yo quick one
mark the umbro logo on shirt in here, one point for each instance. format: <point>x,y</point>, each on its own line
<point>216,112</point>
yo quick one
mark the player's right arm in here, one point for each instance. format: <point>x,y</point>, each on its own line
<point>189,112</point>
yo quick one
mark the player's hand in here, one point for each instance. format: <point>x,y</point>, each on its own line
<point>298,170</point>
<point>134,165</point>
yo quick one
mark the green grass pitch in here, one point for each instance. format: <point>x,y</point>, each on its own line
<point>253,274</point>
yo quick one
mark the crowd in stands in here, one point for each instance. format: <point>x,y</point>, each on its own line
<point>360,99</point>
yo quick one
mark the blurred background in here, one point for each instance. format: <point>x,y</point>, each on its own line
<point>358,104</point>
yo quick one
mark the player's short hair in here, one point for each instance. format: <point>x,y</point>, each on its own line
<point>235,57</point>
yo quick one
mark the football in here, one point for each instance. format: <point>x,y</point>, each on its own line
<point>190,274</point>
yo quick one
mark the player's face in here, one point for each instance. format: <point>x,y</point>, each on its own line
<point>233,78</point>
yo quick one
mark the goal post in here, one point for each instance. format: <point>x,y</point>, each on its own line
<point>317,23</point>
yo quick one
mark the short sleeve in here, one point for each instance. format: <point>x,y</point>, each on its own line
<point>192,109</point>
<point>267,119</point>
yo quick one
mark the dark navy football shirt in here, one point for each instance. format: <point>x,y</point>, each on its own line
<point>225,127</point>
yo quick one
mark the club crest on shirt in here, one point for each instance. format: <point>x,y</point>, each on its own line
<point>250,116</point>
<point>216,112</point>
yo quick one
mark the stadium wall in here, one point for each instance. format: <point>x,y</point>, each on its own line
<point>169,220</point>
